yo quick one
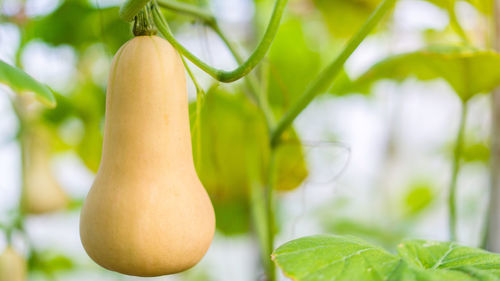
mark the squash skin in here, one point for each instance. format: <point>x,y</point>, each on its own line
<point>147,214</point>
<point>12,266</point>
<point>41,192</point>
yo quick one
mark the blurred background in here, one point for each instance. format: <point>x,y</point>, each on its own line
<point>374,162</point>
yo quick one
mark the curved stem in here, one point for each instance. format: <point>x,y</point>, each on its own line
<point>242,70</point>
<point>326,78</point>
<point>131,8</point>
<point>455,24</point>
<point>188,9</point>
<point>457,155</point>
<point>250,79</point>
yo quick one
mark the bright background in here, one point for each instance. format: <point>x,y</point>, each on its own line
<point>379,165</point>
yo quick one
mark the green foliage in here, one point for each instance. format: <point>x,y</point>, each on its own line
<point>21,83</point>
<point>483,6</point>
<point>49,262</point>
<point>345,17</point>
<point>468,71</point>
<point>234,154</point>
<point>419,196</point>
<point>292,63</point>
<point>79,24</point>
<point>329,257</point>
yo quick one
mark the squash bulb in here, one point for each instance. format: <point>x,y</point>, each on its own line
<point>147,213</point>
<point>41,191</point>
<point>12,266</point>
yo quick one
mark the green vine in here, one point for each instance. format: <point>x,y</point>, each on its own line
<point>326,78</point>
<point>457,155</point>
<point>243,69</point>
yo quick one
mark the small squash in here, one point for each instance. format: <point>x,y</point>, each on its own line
<point>41,191</point>
<point>147,214</point>
<point>12,266</point>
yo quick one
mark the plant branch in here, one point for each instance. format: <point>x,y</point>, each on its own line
<point>188,9</point>
<point>457,155</point>
<point>326,78</point>
<point>243,69</point>
<point>271,224</point>
<point>251,80</point>
<point>455,24</point>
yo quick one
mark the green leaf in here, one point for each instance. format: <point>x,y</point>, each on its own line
<point>451,259</point>
<point>419,196</point>
<point>21,83</point>
<point>329,257</point>
<point>292,63</point>
<point>483,6</point>
<point>79,24</point>
<point>468,71</point>
<point>345,17</point>
<point>233,153</point>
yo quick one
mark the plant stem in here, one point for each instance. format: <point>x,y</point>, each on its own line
<point>188,9</point>
<point>200,96</point>
<point>243,69</point>
<point>491,229</point>
<point>271,224</point>
<point>457,155</point>
<point>455,24</point>
<point>251,80</point>
<point>143,24</point>
<point>131,8</point>
<point>326,78</point>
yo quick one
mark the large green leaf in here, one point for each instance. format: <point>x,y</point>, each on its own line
<point>21,83</point>
<point>329,257</point>
<point>468,71</point>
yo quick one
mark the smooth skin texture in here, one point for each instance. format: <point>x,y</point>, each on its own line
<point>12,266</point>
<point>147,214</point>
<point>41,192</point>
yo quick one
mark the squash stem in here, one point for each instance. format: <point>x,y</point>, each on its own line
<point>144,24</point>
<point>243,69</point>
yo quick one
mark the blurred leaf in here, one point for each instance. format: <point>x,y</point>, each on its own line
<point>345,17</point>
<point>328,257</point>
<point>79,24</point>
<point>291,168</point>
<point>50,262</point>
<point>292,64</point>
<point>21,83</point>
<point>234,153</point>
<point>476,152</point>
<point>418,198</point>
<point>467,71</point>
<point>484,6</point>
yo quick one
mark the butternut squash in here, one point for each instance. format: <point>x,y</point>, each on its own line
<point>147,214</point>
<point>41,191</point>
<point>12,266</point>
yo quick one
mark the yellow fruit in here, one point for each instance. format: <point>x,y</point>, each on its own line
<point>12,266</point>
<point>41,191</point>
<point>147,213</point>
